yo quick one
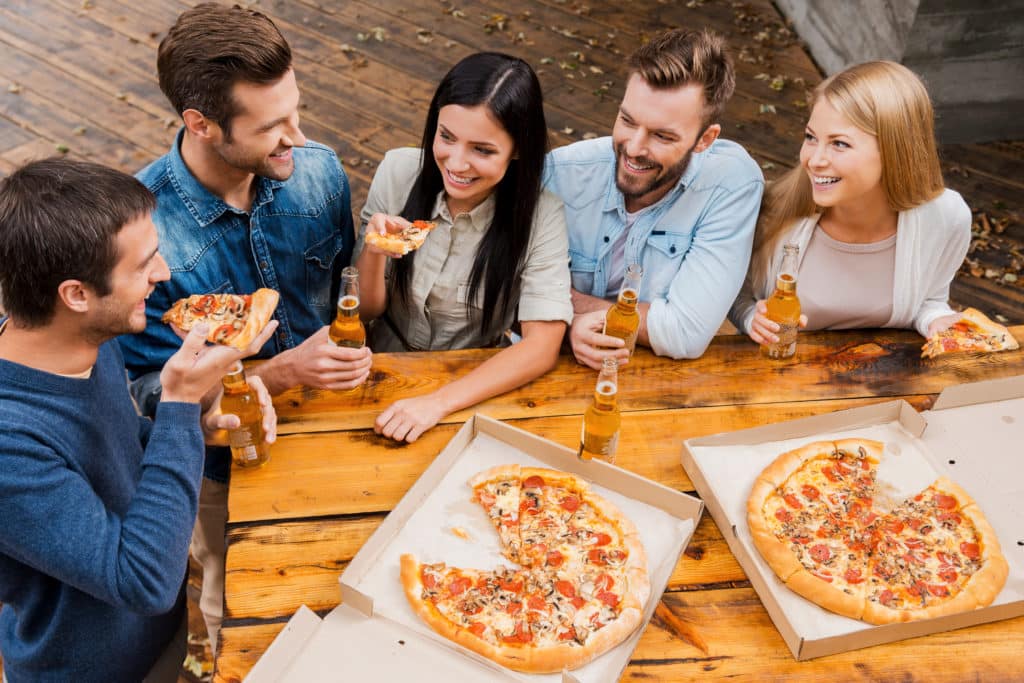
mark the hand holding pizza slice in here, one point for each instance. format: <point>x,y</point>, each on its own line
<point>234,319</point>
<point>397,239</point>
<point>972,332</point>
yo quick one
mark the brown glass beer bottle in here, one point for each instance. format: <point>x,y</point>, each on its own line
<point>347,329</point>
<point>784,306</point>
<point>600,433</point>
<point>248,448</point>
<point>622,319</point>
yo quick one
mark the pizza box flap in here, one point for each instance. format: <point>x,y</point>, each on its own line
<point>923,436</point>
<point>368,635</point>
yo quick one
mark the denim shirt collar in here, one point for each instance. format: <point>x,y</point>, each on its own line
<point>205,206</point>
<point>614,201</point>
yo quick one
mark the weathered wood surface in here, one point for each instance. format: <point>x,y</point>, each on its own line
<point>827,366</point>
<point>79,75</point>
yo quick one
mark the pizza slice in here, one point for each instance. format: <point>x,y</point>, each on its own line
<point>401,243</point>
<point>234,319</point>
<point>973,332</point>
<point>497,491</point>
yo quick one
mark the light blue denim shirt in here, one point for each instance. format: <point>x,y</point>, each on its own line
<point>694,245</point>
<point>295,239</point>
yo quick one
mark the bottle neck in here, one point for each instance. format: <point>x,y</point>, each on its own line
<point>234,382</point>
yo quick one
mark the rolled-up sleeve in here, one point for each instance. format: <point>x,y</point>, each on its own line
<point>681,324</point>
<point>544,293</point>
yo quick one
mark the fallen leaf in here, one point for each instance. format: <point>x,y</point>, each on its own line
<point>1009,277</point>
<point>777,84</point>
<point>547,60</point>
<point>79,130</point>
<point>346,48</point>
<point>424,36</point>
<point>1002,318</point>
<point>14,88</point>
<point>596,70</point>
<point>62,148</point>
<point>991,273</point>
<point>767,165</point>
<point>767,109</point>
<point>589,136</point>
<point>568,131</point>
<point>121,96</point>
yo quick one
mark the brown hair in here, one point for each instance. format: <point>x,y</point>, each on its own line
<point>212,47</point>
<point>886,100</point>
<point>59,220</point>
<point>680,57</point>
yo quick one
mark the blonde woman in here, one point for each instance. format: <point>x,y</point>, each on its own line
<point>880,236</point>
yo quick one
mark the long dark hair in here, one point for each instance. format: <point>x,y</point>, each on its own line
<point>508,87</point>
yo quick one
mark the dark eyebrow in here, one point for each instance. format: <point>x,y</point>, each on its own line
<point>273,124</point>
<point>150,257</point>
<point>659,131</point>
<point>482,143</point>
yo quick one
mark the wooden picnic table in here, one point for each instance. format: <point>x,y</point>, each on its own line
<point>295,524</point>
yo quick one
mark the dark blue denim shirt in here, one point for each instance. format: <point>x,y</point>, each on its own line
<point>295,239</point>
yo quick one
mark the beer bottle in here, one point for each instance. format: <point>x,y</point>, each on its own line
<point>600,433</point>
<point>248,448</point>
<point>622,319</point>
<point>347,329</point>
<point>784,306</point>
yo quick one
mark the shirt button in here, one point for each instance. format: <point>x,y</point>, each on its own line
<point>263,265</point>
<point>281,335</point>
<point>606,238</point>
<point>672,249</point>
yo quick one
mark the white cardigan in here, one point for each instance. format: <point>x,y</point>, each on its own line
<point>931,243</point>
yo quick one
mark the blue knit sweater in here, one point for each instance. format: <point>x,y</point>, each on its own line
<point>96,511</point>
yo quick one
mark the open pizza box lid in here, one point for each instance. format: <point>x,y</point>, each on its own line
<point>375,635</point>
<point>973,435</point>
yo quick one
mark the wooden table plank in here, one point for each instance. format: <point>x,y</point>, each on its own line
<point>357,471</point>
<point>827,365</point>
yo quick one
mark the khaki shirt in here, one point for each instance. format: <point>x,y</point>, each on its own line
<point>437,316</point>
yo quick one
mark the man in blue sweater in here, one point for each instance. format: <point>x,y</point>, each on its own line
<point>97,504</point>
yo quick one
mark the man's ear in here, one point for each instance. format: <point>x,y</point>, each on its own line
<point>709,135</point>
<point>198,125</point>
<point>76,295</point>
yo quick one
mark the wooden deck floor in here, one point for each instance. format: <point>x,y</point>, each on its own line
<point>78,77</point>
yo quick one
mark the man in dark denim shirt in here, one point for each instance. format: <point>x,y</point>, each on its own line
<point>243,202</point>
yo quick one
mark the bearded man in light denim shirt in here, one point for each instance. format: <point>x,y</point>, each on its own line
<point>663,192</point>
<point>243,201</point>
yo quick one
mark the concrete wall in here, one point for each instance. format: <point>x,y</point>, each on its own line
<point>970,53</point>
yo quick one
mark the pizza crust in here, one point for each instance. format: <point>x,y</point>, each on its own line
<point>986,583</point>
<point>497,473</point>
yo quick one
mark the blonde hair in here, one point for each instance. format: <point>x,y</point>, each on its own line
<point>886,100</point>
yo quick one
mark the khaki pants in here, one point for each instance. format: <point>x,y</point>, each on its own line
<point>209,549</point>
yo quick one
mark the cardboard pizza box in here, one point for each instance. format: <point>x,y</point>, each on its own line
<point>972,435</point>
<point>374,634</point>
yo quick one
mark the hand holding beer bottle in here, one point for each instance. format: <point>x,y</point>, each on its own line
<point>347,329</point>
<point>783,309</point>
<point>249,447</point>
<point>622,319</point>
<point>599,436</point>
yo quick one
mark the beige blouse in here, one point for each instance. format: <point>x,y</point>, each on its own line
<point>437,317</point>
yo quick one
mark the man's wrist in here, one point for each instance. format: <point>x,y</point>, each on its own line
<point>277,373</point>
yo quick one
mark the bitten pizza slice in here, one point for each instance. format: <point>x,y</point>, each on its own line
<point>234,319</point>
<point>973,332</point>
<point>401,243</point>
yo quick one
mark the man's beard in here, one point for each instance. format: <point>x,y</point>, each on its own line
<point>662,178</point>
<point>260,166</point>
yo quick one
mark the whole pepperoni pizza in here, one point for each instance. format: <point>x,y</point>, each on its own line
<point>579,589</point>
<point>812,516</point>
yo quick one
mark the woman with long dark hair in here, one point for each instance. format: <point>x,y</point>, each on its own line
<point>498,254</point>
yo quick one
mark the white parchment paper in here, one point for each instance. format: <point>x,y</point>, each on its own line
<point>428,535</point>
<point>906,468</point>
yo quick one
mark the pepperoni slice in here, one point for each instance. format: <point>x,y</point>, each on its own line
<point>914,543</point>
<point>894,526</point>
<point>820,553</point>
<point>945,502</point>
<point>534,482</point>
<point>830,474</point>
<point>459,585</point>
<point>520,635</point>
<point>914,523</point>
<point>948,574</point>
<point>555,559</point>
<point>429,580</point>
<point>608,598</point>
<point>578,602</point>
<point>514,607</point>
<point>570,503</point>
<point>949,518</point>
<point>783,515</point>
<point>938,590</point>
<point>823,575</point>
<point>853,576</point>
<point>528,503</point>
<point>536,602</point>
<point>603,582</point>
<point>792,501</point>
<point>597,556</point>
<point>945,559</point>
<point>602,539</point>
<point>567,635</point>
<point>810,492</point>
<point>486,499</point>
<point>616,556</point>
<point>971,550</point>
<point>477,628</point>
<point>886,596</point>
<point>512,585</point>
<point>565,588</point>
